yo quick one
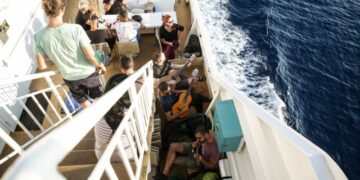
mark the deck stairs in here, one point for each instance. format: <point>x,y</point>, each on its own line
<point>78,160</point>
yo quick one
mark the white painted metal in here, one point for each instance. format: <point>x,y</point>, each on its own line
<point>58,143</point>
<point>272,149</point>
<point>4,106</point>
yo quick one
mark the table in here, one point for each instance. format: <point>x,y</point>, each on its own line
<point>149,20</point>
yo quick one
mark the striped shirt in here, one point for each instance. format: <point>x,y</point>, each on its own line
<point>103,135</point>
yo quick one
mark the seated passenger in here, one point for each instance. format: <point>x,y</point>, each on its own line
<point>106,127</point>
<point>114,6</point>
<point>169,36</point>
<point>164,69</point>
<point>96,35</point>
<point>83,16</point>
<point>169,98</point>
<point>127,29</point>
<point>203,153</point>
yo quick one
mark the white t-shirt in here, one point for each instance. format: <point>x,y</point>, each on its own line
<point>126,31</point>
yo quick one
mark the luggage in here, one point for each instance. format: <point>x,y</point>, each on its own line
<point>193,45</point>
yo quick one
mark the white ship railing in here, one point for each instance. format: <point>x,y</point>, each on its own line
<point>52,114</point>
<point>53,148</point>
<point>272,149</point>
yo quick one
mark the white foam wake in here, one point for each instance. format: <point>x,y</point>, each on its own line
<point>237,59</point>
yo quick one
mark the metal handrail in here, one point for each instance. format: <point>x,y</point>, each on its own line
<point>59,142</point>
<point>6,104</point>
<point>18,79</point>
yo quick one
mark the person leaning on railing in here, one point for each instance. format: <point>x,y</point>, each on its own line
<point>68,46</point>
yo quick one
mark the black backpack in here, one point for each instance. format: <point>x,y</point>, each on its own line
<point>193,45</point>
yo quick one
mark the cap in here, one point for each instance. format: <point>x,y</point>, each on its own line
<point>83,4</point>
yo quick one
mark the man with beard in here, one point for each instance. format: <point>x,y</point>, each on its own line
<point>204,151</point>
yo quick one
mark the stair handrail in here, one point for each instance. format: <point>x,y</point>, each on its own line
<point>4,105</point>
<point>54,147</point>
<point>17,79</point>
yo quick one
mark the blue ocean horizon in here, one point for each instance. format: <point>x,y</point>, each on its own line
<point>310,49</point>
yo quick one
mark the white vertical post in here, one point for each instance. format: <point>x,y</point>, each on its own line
<point>31,115</point>
<point>58,96</point>
<point>139,118</point>
<point>13,117</point>
<point>9,141</point>
<point>42,110</point>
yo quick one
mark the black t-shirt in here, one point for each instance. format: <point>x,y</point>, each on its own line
<point>97,36</point>
<point>115,8</point>
<point>82,18</point>
<point>160,71</point>
<point>170,36</point>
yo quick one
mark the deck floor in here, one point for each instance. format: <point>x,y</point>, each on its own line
<point>148,45</point>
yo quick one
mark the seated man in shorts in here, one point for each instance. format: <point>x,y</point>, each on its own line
<point>203,153</point>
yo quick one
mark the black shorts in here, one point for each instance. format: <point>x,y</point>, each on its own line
<point>183,84</point>
<point>82,89</point>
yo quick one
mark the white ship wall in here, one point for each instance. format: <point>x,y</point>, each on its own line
<point>16,55</point>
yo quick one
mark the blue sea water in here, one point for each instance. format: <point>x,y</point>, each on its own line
<point>299,59</point>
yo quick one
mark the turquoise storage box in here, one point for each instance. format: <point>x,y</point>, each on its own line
<point>227,126</point>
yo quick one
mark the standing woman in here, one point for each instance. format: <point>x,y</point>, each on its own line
<point>68,46</point>
<point>169,36</point>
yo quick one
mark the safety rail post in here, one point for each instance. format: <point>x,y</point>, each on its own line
<point>58,96</point>
<point>138,115</point>
<point>13,144</point>
<point>53,147</point>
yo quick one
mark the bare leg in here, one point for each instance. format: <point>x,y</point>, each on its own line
<point>171,156</point>
<point>85,104</point>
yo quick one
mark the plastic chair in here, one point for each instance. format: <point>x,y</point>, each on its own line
<point>127,48</point>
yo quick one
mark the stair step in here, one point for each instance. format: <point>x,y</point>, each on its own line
<point>83,171</point>
<point>86,144</point>
<point>82,157</point>
<point>90,135</point>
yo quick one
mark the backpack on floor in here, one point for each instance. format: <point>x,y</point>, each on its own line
<point>193,45</point>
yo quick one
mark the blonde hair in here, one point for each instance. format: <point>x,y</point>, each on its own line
<point>52,7</point>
